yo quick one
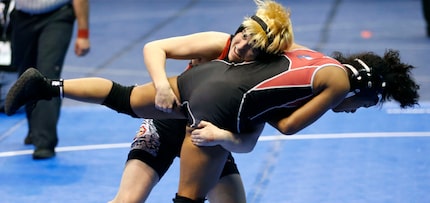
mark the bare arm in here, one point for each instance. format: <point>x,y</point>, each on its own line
<point>208,134</point>
<point>82,43</point>
<point>204,46</point>
<point>333,84</point>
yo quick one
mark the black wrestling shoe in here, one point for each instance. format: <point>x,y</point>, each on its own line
<point>31,86</point>
<point>42,153</point>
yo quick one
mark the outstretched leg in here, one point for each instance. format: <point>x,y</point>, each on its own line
<point>32,86</point>
<point>137,101</point>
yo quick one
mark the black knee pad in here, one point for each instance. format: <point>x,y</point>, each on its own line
<point>118,99</point>
<point>180,199</point>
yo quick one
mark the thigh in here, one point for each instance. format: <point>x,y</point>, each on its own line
<point>142,101</point>
<point>200,168</point>
<point>158,143</point>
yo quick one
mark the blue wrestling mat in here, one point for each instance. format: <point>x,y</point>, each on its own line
<point>376,155</point>
<point>381,158</point>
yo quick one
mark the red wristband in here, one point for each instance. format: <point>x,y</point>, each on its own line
<point>83,33</point>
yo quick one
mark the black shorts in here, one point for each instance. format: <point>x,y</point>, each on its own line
<point>158,143</point>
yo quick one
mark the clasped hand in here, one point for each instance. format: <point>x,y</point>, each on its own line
<point>207,134</point>
<point>165,99</point>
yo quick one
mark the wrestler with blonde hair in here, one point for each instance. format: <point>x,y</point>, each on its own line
<point>235,95</point>
<point>271,28</point>
<point>147,162</point>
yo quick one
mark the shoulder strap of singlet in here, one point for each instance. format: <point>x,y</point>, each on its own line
<point>222,56</point>
<point>224,53</point>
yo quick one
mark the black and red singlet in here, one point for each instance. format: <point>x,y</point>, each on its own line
<point>235,96</point>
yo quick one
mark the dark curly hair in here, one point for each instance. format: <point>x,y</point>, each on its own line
<point>390,77</point>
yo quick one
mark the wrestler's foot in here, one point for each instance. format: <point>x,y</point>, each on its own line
<point>31,86</point>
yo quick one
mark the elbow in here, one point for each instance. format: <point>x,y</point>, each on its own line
<point>147,47</point>
<point>243,150</point>
<point>242,147</point>
<point>287,128</point>
<point>250,144</point>
<point>248,149</point>
<point>151,47</point>
<point>288,132</point>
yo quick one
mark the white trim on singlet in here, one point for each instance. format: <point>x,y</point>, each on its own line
<point>190,114</point>
<point>233,63</point>
<point>317,68</point>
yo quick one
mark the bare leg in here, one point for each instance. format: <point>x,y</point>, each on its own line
<point>229,189</point>
<point>139,176</point>
<point>32,86</point>
<point>91,90</point>
<point>137,181</point>
<point>95,90</point>
<point>142,101</point>
<point>200,169</point>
